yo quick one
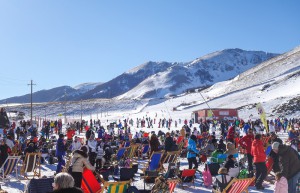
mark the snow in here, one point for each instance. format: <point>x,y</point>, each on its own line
<point>16,186</point>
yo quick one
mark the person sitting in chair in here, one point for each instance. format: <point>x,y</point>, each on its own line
<point>222,180</point>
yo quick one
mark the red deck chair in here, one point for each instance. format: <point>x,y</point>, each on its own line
<point>172,184</point>
<point>180,138</point>
<point>269,164</point>
<point>188,173</point>
<point>186,143</point>
<point>89,182</point>
<point>239,185</point>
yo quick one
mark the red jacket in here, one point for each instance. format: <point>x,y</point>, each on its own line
<point>258,152</point>
<point>246,142</point>
<point>230,134</point>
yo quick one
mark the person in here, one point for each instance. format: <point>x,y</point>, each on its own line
<point>259,160</point>
<point>182,132</point>
<point>273,155</point>
<point>60,152</point>
<point>230,149</point>
<point>246,143</point>
<point>154,143</point>
<point>229,162</point>
<point>92,143</point>
<point>4,151</point>
<point>79,161</point>
<point>231,134</point>
<point>221,180</point>
<point>169,143</point>
<point>100,161</point>
<point>192,152</point>
<point>221,145</point>
<point>290,164</point>
<point>76,145</point>
<point>9,141</point>
<point>281,184</point>
<point>64,183</point>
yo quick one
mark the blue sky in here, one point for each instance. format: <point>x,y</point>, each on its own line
<point>69,42</point>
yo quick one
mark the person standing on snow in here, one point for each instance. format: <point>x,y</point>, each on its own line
<point>192,152</point>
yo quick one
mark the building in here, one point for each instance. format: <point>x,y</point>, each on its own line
<point>216,114</point>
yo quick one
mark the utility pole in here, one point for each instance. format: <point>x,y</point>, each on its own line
<point>31,84</point>
<point>65,107</point>
<point>81,110</point>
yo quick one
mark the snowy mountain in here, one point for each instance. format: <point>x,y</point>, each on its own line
<point>273,83</point>
<point>200,73</point>
<point>61,93</point>
<point>162,79</point>
<point>84,87</point>
<point>158,79</point>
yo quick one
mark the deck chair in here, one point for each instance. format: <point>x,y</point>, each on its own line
<point>170,158</point>
<point>89,183</point>
<point>145,149</point>
<point>268,150</point>
<point>237,186</point>
<point>188,174</point>
<point>269,164</point>
<point>154,162</point>
<point>32,163</point>
<point>120,154</point>
<point>179,139</point>
<point>172,184</point>
<point>68,163</point>
<point>9,165</point>
<point>42,185</point>
<point>131,151</point>
<point>116,187</point>
<point>127,144</point>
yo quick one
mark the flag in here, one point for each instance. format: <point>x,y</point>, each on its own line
<point>262,114</point>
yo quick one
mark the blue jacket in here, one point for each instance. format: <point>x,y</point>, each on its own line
<point>60,148</point>
<point>192,149</point>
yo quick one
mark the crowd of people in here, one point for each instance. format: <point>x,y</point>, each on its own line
<point>95,150</point>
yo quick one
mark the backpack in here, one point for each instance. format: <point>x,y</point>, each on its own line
<point>207,179</point>
<point>213,168</point>
<point>243,174</point>
<point>132,189</point>
<point>222,185</point>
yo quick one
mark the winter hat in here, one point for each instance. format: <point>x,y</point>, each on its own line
<point>275,145</point>
<point>84,149</point>
<point>193,137</point>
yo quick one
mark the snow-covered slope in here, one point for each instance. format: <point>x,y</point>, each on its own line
<point>202,72</point>
<point>84,87</point>
<point>274,83</point>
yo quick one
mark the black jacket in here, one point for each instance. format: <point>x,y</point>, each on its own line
<point>288,158</point>
<point>68,190</point>
<point>169,143</point>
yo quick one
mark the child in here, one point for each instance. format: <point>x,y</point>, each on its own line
<point>281,184</point>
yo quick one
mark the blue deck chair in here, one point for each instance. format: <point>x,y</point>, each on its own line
<point>42,185</point>
<point>145,150</point>
<point>9,166</point>
<point>127,144</point>
<point>268,150</point>
<point>155,161</point>
<point>120,153</point>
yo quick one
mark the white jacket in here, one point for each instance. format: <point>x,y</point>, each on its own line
<point>9,143</point>
<point>92,144</point>
<point>76,145</point>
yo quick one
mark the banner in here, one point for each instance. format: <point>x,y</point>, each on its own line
<point>262,114</point>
